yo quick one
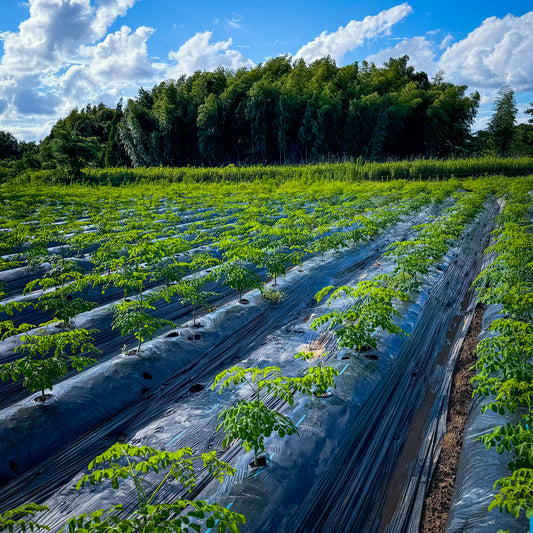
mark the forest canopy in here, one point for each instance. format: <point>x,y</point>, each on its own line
<point>284,111</point>
<point>279,112</point>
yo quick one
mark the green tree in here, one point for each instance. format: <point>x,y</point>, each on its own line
<point>239,278</point>
<point>253,421</point>
<point>9,146</point>
<point>322,376</point>
<point>134,317</point>
<point>208,130</point>
<point>70,152</point>
<point>372,308</point>
<point>189,292</point>
<point>529,111</point>
<point>501,125</point>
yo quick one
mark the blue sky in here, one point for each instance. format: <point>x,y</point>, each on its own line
<point>58,54</point>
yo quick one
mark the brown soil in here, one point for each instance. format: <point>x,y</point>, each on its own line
<point>439,494</point>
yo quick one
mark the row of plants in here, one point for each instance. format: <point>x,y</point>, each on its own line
<point>417,169</point>
<point>374,303</point>
<point>504,370</point>
<point>249,421</point>
<point>252,421</point>
<point>133,464</point>
<point>128,257</point>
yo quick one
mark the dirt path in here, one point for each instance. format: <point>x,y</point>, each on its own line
<point>439,495</point>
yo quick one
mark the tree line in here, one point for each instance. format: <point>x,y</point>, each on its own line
<point>279,112</point>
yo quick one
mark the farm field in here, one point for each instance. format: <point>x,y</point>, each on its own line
<point>121,306</point>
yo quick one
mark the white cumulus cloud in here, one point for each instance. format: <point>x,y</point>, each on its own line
<point>61,58</point>
<point>497,52</point>
<point>54,31</point>
<point>198,53</point>
<point>354,34</point>
<point>419,50</point>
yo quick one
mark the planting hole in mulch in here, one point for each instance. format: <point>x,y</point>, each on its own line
<point>344,357</point>
<point>42,399</point>
<point>244,301</point>
<point>173,334</point>
<point>372,357</point>
<point>131,352</point>
<point>198,325</point>
<point>196,388</point>
<point>146,375</point>
<point>326,394</point>
<point>261,462</point>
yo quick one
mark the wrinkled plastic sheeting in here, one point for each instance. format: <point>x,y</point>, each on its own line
<point>336,474</point>
<point>115,388</point>
<point>297,461</point>
<point>480,468</point>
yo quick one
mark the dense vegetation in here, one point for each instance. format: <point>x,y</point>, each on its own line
<point>418,169</point>
<point>145,244</point>
<point>280,112</point>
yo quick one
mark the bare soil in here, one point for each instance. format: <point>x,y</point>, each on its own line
<point>439,494</point>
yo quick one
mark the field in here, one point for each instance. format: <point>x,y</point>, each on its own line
<point>120,306</point>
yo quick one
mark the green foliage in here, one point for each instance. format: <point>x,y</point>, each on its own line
<point>253,421</point>
<point>501,126</point>
<point>351,171</point>
<point>9,146</point>
<point>321,376</point>
<point>62,304</point>
<point>273,295</point>
<point>508,280</point>
<point>15,519</point>
<point>124,461</point>
<point>48,358</point>
<point>372,308</point>
<point>189,292</point>
<point>9,308</point>
<point>181,516</point>
<point>8,328</point>
<point>515,492</point>
<point>275,264</point>
<point>134,317</point>
<point>239,278</point>
<point>265,114</point>
<point>504,368</point>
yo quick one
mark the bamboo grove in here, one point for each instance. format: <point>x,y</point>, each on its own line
<point>281,111</point>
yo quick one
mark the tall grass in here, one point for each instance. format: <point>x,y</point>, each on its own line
<point>418,169</point>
